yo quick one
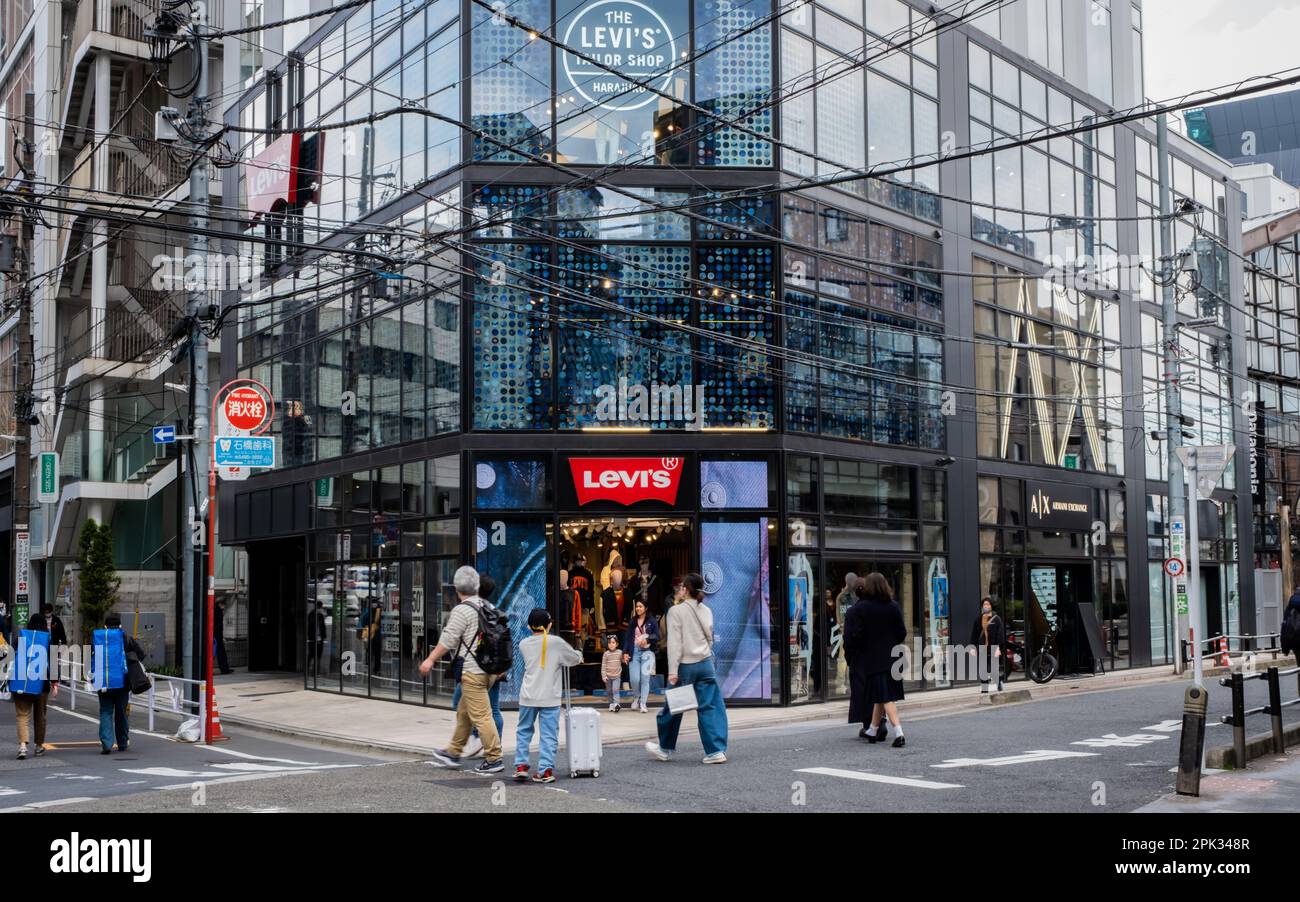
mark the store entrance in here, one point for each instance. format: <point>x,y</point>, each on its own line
<point>838,597</point>
<point>1056,591</point>
<point>276,604</point>
<point>608,564</point>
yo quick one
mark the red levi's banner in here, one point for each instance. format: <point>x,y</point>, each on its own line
<point>626,480</point>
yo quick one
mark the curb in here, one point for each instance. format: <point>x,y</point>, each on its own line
<point>963,699</point>
<point>1258,746</point>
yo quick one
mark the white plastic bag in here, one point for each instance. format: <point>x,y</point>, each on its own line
<point>189,731</point>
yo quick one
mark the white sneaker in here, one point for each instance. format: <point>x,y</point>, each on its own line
<point>473,748</point>
<point>656,752</point>
<point>716,758</point>
<point>644,709</point>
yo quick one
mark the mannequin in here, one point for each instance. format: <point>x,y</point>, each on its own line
<point>615,563</point>
<point>583,585</point>
<point>647,587</point>
<point>569,608</point>
<point>616,603</point>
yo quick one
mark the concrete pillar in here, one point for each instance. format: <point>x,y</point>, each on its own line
<point>95,443</point>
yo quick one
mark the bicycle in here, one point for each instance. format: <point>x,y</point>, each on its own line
<point>1044,665</point>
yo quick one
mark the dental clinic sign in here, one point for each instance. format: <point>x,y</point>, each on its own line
<point>624,35</point>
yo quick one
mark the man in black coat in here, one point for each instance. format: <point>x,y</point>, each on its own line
<point>1291,625</point>
<point>219,634</point>
<point>53,625</point>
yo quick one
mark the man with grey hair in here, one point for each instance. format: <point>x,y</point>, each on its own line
<point>475,709</point>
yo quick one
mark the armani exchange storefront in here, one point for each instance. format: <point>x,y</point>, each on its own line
<point>1053,561</point>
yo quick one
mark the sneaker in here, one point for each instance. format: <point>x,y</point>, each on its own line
<point>40,750</point>
<point>612,708</point>
<point>656,752</point>
<point>104,751</point>
<point>617,707</point>
<point>544,776</point>
<point>490,767</point>
<point>442,756</point>
<point>22,751</point>
<point>644,709</point>
<point>716,758</point>
<point>473,748</point>
<point>521,772</point>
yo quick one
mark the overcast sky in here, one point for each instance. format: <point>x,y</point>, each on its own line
<point>1191,44</point>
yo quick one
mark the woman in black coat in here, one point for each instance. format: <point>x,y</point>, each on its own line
<point>873,628</point>
<point>988,635</point>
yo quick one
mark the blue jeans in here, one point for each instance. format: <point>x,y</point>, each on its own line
<point>112,718</point>
<point>550,739</point>
<point>639,671</point>
<point>494,696</point>
<point>712,712</point>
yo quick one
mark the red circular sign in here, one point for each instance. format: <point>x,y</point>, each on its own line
<point>246,409</point>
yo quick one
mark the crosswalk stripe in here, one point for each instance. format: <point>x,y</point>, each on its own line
<point>877,778</point>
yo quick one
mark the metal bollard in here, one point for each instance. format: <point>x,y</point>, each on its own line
<point>1239,720</point>
<point>1193,741</point>
<point>1275,710</point>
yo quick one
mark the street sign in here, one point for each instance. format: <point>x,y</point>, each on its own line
<point>164,435</point>
<point>1180,597</point>
<point>1070,461</point>
<point>233,474</point>
<point>245,409</point>
<point>244,451</point>
<point>1175,567</point>
<point>1178,538</point>
<point>22,565</point>
<point>48,488</point>
<point>1208,464</point>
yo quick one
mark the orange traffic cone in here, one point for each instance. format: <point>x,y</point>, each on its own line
<point>1223,651</point>
<point>214,725</point>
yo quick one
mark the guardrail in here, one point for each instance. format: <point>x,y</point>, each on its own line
<point>1274,646</point>
<point>176,701</point>
<point>1237,719</point>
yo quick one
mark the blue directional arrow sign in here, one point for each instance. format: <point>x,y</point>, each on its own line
<point>164,435</point>
<point>244,451</point>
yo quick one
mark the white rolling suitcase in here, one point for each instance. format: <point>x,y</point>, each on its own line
<point>581,735</point>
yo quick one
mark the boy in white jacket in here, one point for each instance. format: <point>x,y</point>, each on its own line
<point>539,696</point>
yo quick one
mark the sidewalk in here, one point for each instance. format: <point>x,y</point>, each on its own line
<point>1269,785</point>
<point>280,705</point>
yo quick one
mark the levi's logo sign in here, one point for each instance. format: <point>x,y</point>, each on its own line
<point>626,480</point>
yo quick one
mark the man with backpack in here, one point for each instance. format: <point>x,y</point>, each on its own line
<point>1291,626</point>
<point>477,635</point>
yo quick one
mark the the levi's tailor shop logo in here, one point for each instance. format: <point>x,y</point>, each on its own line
<point>626,480</point>
<point>654,403</point>
<point>624,35</point>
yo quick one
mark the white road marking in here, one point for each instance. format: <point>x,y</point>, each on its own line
<point>1025,758</point>
<point>73,777</point>
<point>1110,740</point>
<point>1165,726</point>
<point>10,791</point>
<point>877,778</point>
<point>52,803</point>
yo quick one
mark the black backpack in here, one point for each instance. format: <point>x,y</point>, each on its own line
<point>495,652</point>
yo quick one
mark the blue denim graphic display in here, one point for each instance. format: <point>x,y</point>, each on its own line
<point>639,672</point>
<point>737,590</point>
<point>549,719</point>
<point>712,711</point>
<point>518,564</point>
<point>733,483</point>
<point>510,484</point>
<point>494,696</point>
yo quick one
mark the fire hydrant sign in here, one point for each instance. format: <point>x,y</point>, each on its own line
<point>245,409</point>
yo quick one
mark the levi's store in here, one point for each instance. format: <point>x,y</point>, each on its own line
<point>777,537</point>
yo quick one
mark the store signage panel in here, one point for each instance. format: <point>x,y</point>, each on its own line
<point>623,35</point>
<point>1054,505</point>
<point>626,480</point>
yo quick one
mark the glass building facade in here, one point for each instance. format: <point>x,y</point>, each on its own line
<point>560,299</point>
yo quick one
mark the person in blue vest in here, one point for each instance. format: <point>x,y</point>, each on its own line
<point>112,683</point>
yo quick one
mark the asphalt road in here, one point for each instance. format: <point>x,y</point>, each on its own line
<point>1095,751</point>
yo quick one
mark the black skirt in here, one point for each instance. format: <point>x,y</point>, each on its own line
<point>870,689</point>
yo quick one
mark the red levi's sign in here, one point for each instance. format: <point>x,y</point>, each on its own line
<point>626,480</point>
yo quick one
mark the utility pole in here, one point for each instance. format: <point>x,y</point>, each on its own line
<point>196,310</point>
<point>1284,545</point>
<point>1175,506</point>
<point>24,382</point>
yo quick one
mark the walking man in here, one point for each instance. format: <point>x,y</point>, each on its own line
<point>459,639</point>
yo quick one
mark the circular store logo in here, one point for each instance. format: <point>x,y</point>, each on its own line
<point>624,35</point>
